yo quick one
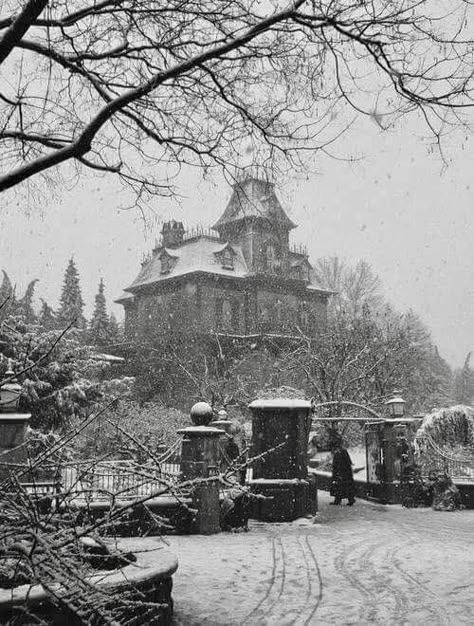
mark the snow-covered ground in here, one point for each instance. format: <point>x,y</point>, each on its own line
<point>367,564</point>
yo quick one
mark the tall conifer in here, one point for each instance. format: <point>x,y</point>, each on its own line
<point>71,304</point>
<point>99,325</point>
<point>25,305</point>
<point>114,329</point>
<point>47,317</point>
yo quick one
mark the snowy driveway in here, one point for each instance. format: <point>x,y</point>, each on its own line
<point>369,564</point>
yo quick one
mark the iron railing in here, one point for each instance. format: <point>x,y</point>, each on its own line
<point>456,463</point>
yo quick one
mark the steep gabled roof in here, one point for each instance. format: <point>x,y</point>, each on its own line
<point>254,198</point>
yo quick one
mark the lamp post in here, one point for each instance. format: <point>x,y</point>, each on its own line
<point>12,424</point>
<point>10,392</point>
<point>394,454</point>
<point>396,405</point>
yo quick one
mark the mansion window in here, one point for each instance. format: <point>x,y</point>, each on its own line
<point>235,314</point>
<point>228,314</point>
<point>297,272</point>
<point>300,272</point>
<point>227,259</point>
<point>219,311</point>
<point>167,263</point>
<point>304,315</point>
<point>271,258</point>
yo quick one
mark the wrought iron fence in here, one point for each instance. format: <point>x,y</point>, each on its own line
<point>123,479</point>
<point>458,463</point>
<point>118,479</point>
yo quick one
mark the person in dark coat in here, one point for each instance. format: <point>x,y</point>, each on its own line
<point>342,485</point>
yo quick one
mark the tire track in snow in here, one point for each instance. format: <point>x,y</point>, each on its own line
<point>284,601</point>
<point>319,597</point>
<point>269,596</point>
<point>414,582</point>
<point>361,562</point>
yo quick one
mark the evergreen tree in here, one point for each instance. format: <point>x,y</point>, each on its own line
<point>464,383</point>
<point>25,305</point>
<point>114,330</point>
<point>99,326</point>
<point>71,304</point>
<point>47,317</point>
<point>7,297</point>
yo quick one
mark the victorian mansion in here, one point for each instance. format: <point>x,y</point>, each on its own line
<point>241,278</point>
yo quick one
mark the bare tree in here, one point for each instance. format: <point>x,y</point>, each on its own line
<point>356,287</point>
<point>139,89</point>
<point>362,359</point>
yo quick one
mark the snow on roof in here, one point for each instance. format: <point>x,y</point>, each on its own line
<point>196,255</point>
<point>314,285</point>
<point>280,403</point>
<point>125,297</point>
<point>254,198</point>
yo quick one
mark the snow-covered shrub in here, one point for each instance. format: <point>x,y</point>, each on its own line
<point>128,429</point>
<point>453,426</point>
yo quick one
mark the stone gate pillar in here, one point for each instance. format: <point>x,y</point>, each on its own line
<point>199,459</point>
<point>280,430</point>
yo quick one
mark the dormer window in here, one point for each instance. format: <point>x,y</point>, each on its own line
<point>301,270</point>
<point>226,257</point>
<point>167,262</point>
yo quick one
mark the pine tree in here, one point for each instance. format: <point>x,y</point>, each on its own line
<point>7,297</point>
<point>25,305</point>
<point>114,330</point>
<point>99,326</point>
<point>464,383</point>
<point>47,317</point>
<point>71,304</point>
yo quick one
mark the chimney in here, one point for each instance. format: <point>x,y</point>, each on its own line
<point>172,234</point>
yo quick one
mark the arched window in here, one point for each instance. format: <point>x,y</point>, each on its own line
<point>304,314</point>
<point>272,261</point>
<point>270,256</point>
<point>227,315</point>
<point>219,311</point>
<point>235,314</point>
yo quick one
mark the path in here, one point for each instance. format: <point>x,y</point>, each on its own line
<point>370,564</point>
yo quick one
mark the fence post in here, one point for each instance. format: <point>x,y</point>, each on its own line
<point>199,460</point>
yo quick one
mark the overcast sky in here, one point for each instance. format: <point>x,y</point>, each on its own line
<point>399,207</point>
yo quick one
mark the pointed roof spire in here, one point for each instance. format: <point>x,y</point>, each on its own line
<point>254,198</point>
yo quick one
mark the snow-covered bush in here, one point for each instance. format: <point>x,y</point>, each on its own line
<point>61,377</point>
<point>127,430</point>
<point>453,426</point>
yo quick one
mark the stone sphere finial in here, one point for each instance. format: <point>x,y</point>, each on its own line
<point>201,414</point>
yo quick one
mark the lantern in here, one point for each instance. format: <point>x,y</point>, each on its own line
<point>396,405</point>
<point>10,392</point>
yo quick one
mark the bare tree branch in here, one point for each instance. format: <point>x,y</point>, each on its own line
<point>206,83</point>
<point>19,26</point>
